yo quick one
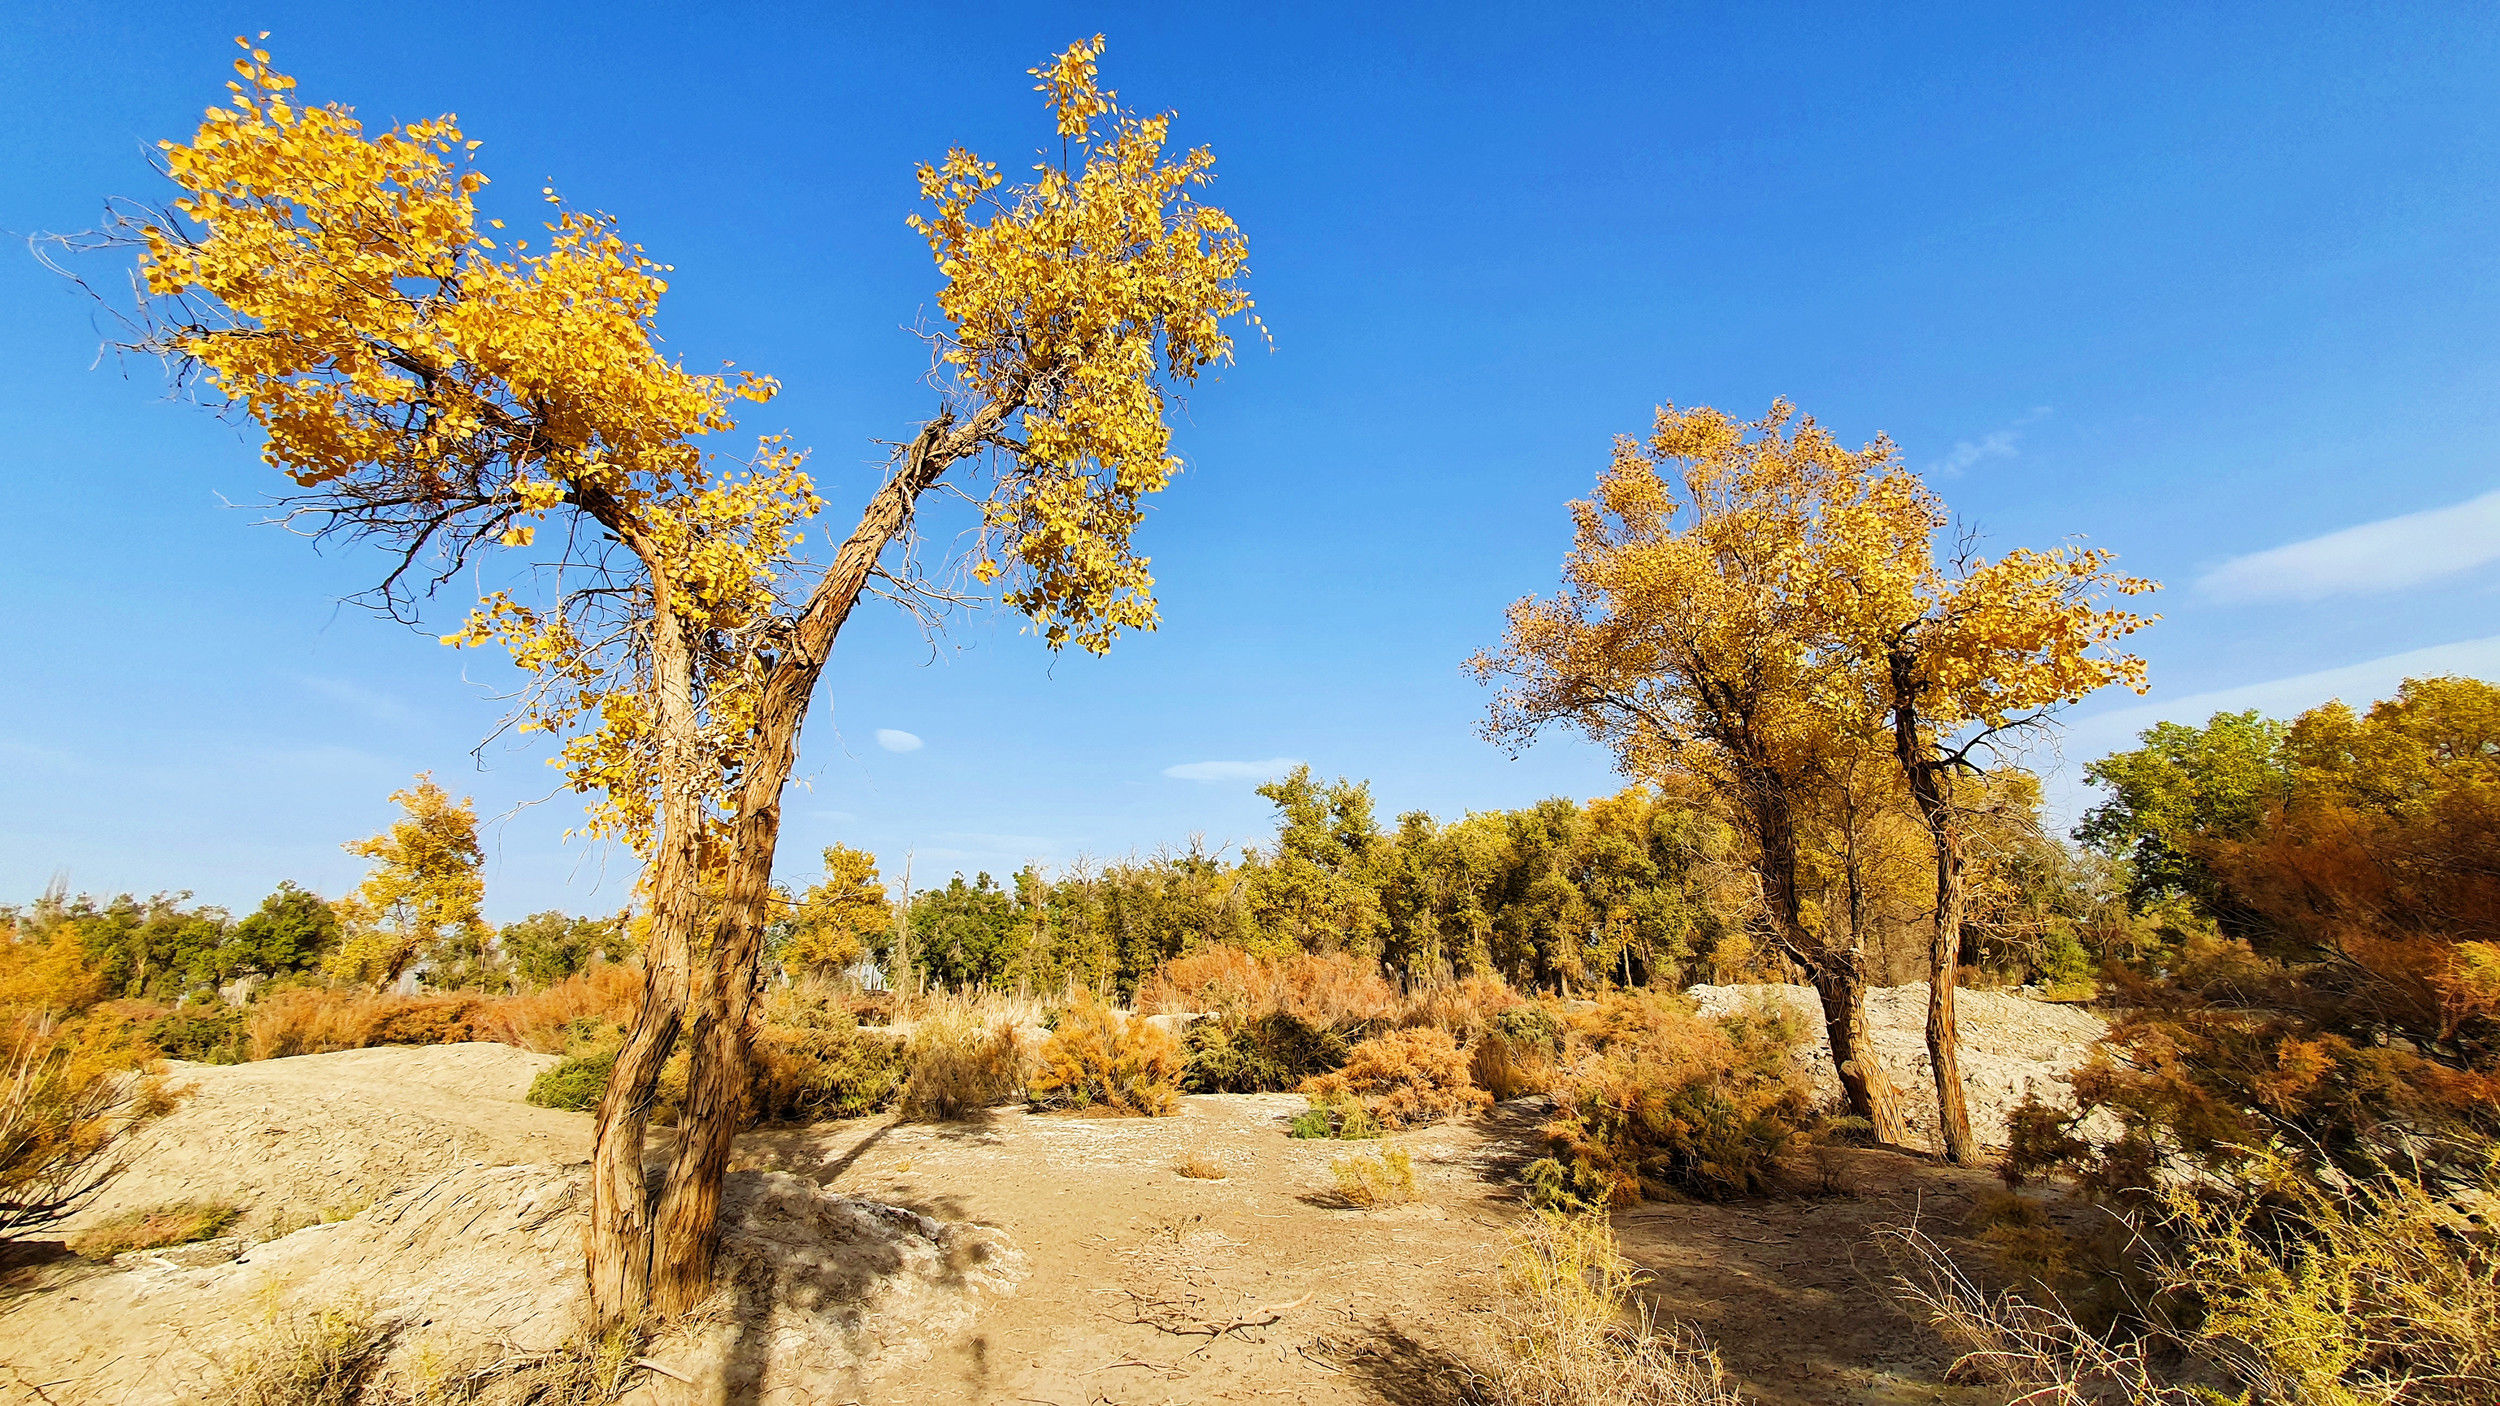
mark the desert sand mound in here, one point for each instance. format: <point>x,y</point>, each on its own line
<point>319,1137</point>
<point>484,1264</point>
<point>2013,1047</point>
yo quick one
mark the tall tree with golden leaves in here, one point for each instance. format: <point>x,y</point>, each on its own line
<point>834,923</point>
<point>1956,660</point>
<point>465,401</point>
<point>423,893</point>
<point>1686,638</point>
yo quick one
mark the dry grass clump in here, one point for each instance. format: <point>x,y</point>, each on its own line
<point>311,1020</point>
<point>2375,1293</point>
<point>179,1223</point>
<point>1652,1099</point>
<point>1198,1164</point>
<point>1560,1335</point>
<point>1096,1060</point>
<point>1403,1079</point>
<point>1375,1182</point>
<point>960,1063</point>
<point>2035,1352</point>
<point>1466,1008</point>
<point>326,1357</point>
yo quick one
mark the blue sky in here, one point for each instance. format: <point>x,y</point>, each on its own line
<point>2216,288</point>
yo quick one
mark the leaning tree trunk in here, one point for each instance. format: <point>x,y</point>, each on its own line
<point>617,1240</point>
<point>1838,975</point>
<point>1924,773</point>
<point>723,985</point>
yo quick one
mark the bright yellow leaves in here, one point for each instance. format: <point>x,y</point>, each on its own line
<point>1073,299</point>
<point>448,390</point>
<point>1760,575</point>
<point>449,393</point>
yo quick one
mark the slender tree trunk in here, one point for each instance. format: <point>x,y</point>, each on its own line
<point>618,1237</point>
<point>1925,775</point>
<point>1838,976</point>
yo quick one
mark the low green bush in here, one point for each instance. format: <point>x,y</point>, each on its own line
<point>1257,1054</point>
<point>573,1083</point>
<point>204,1034</point>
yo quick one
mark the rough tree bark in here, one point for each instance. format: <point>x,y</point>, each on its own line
<point>618,1237</point>
<point>1925,773</point>
<point>722,983</point>
<point>1838,975</point>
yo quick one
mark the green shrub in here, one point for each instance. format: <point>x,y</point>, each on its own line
<point>1259,1053</point>
<point>573,1083</point>
<point>799,1075</point>
<point>1344,1118</point>
<point>204,1034</point>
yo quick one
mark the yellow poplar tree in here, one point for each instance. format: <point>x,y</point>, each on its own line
<point>1685,639</point>
<point>835,920</point>
<point>422,894</point>
<point>465,401</point>
<point>1956,659</point>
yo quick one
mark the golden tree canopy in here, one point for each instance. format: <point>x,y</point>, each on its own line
<point>432,382</point>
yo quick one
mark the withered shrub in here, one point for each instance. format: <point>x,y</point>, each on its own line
<point>1402,1079</point>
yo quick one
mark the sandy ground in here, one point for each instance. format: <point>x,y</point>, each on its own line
<point>1017,1258</point>
<point>2012,1048</point>
<point>294,1142</point>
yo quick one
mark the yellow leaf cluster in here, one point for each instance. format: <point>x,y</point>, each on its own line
<point>1073,300</point>
<point>450,393</point>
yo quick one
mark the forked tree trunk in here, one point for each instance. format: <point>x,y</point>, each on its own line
<point>1838,975</point>
<point>1840,987</point>
<point>1925,774</point>
<point>687,1237</point>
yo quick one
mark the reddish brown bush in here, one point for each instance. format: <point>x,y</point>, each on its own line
<point>1466,1008</point>
<point>1323,991</point>
<point>1403,1079</point>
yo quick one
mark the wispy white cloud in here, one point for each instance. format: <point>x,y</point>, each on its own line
<point>894,739</point>
<point>1232,771</point>
<point>1996,444</point>
<point>2387,555</point>
<point>2357,684</point>
<point>378,707</point>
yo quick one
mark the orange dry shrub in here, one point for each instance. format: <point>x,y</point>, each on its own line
<point>607,993</point>
<point>317,1021</point>
<point>1654,1099</point>
<point>1403,1079</point>
<point>1466,1007</point>
<point>74,1081</point>
<point>1322,990</point>
<point>1095,1060</point>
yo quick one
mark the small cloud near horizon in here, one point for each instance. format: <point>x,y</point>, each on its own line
<point>2372,557</point>
<point>1267,770</point>
<point>894,739</point>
